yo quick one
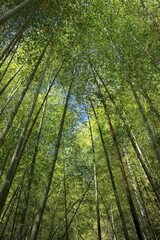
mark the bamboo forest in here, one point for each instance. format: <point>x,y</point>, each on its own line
<point>80,120</point>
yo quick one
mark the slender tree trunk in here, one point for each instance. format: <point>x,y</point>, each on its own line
<point>76,230</point>
<point>148,230</point>
<point>89,225</point>
<point>150,16</point>
<point>15,109</point>
<point>5,71</point>
<point>76,210</point>
<point>14,11</point>
<point>12,50</point>
<point>35,119</point>
<point>65,203</point>
<point>125,180</point>
<point>10,203</point>
<point>128,193</point>
<point>133,141</point>
<point>34,215</point>
<point>112,221</point>
<point>9,208</point>
<point>37,222</point>
<point>63,218</point>
<point>156,149</point>
<point>6,216</point>
<point>95,183</point>
<point>125,231</point>
<point>10,80</point>
<point>27,193</point>
<point>13,198</point>
<point>97,203</point>
<point>152,107</point>
<point>15,213</point>
<point>15,160</point>
<point>54,214</point>
<point>146,122</point>
<point>10,97</point>
<point>154,62</point>
<point>16,39</point>
<point>149,176</point>
<point>109,219</point>
<point>9,149</point>
<point>152,232</point>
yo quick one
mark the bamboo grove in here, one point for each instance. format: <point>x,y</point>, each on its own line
<point>80,120</point>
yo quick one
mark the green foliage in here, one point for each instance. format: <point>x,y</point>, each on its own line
<point>92,40</point>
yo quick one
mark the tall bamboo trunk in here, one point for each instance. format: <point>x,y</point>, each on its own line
<point>13,92</point>
<point>17,105</point>
<point>54,213</point>
<point>39,216</point>
<point>147,229</point>
<point>10,207</point>
<point>7,213</point>
<point>156,149</point>
<point>125,180</point>
<point>16,39</point>
<point>9,148</point>
<point>153,60</point>
<point>133,141</point>
<point>14,11</point>
<point>69,209</point>
<point>15,160</point>
<point>145,119</point>
<point>9,63</point>
<point>65,204</point>
<point>76,210</point>
<point>10,80</point>
<point>125,231</point>
<point>150,16</point>
<point>95,183</point>
<point>27,193</point>
<point>152,107</point>
<point>153,233</point>
<point>14,223</point>
<point>110,219</point>
<point>35,118</point>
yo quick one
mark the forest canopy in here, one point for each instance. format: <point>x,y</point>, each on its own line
<point>80,120</point>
